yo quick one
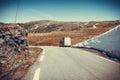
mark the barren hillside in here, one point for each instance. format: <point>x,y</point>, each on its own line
<point>50,26</point>
<point>53,38</point>
<point>49,33</point>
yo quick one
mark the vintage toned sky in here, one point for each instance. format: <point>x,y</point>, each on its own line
<point>60,10</point>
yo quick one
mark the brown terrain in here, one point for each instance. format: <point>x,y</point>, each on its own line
<point>43,33</point>
<point>15,54</point>
<point>44,26</point>
<point>53,38</point>
<point>49,33</point>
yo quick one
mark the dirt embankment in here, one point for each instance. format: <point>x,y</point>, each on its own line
<point>20,71</point>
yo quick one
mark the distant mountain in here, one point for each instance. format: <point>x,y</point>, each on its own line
<point>50,26</point>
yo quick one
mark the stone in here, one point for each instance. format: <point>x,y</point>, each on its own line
<point>13,47</point>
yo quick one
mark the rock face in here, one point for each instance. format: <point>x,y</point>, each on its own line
<point>13,47</point>
<point>108,42</point>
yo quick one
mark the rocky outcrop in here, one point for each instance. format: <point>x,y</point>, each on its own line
<point>13,47</point>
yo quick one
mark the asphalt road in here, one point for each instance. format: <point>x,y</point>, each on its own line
<point>72,64</point>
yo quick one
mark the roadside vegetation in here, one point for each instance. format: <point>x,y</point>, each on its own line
<point>53,38</point>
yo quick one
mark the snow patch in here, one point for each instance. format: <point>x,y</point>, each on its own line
<point>94,26</point>
<point>36,26</point>
<point>108,42</point>
<point>86,23</point>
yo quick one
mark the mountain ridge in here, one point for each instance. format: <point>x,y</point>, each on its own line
<point>43,26</point>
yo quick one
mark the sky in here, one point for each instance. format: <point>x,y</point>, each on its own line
<point>59,10</point>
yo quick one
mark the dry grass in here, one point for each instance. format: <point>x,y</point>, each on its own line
<point>53,38</point>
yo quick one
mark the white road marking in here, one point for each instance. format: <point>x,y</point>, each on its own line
<point>72,64</point>
<point>37,74</point>
<point>41,58</point>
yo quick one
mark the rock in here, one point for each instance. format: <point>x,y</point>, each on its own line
<point>1,41</point>
<point>13,47</point>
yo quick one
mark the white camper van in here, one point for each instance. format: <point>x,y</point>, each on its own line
<point>65,42</point>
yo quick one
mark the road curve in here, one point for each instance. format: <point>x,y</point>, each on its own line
<point>72,64</point>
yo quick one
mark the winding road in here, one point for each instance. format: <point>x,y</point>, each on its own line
<point>57,63</point>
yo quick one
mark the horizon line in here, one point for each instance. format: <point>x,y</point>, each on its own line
<point>60,21</point>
